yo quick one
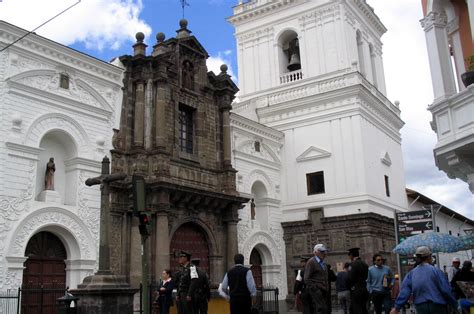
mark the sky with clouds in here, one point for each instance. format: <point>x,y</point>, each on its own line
<point>106,29</point>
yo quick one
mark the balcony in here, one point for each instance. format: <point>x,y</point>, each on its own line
<point>453,122</point>
<point>291,77</point>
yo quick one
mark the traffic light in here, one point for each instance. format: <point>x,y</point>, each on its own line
<point>139,195</point>
<point>145,223</point>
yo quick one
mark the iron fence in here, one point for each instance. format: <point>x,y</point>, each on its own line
<point>10,301</point>
<point>267,300</point>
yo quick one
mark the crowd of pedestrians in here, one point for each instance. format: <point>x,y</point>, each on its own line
<point>376,289</point>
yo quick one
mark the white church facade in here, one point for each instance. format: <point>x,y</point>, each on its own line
<point>58,103</point>
<point>313,128</point>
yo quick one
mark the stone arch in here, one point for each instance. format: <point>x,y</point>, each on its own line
<point>264,148</point>
<point>211,240</point>
<point>76,237</point>
<point>57,121</point>
<point>441,6</point>
<point>100,99</point>
<point>288,43</point>
<point>25,74</point>
<point>259,175</point>
<point>265,245</point>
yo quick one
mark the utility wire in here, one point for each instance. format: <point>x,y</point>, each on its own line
<point>14,42</point>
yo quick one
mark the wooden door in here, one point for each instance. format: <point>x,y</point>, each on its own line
<point>44,277</point>
<point>256,268</point>
<point>190,238</point>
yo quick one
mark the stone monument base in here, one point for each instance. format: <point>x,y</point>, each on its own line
<point>49,196</point>
<point>104,294</point>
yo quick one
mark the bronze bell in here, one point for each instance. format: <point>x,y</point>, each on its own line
<point>295,63</point>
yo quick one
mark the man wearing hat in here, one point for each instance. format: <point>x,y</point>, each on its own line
<point>299,289</point>
<point>428,285</point>
<point>357,281</point>
<point>186,284</point>
<point>316,281</point>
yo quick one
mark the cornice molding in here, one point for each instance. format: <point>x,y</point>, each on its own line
<point>252,9</point>
<point>57,52</point>
<point>243,123</point>
<point>23,151</point>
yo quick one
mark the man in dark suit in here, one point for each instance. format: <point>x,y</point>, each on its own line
<point>202,293</point>
<point>316,281</point>
<point>357,280</point>
<point>299,288</point>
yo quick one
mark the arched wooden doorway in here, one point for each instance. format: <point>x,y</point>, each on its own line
<point>191,238</point>
<point>44,276</point>
<point>256,268</point>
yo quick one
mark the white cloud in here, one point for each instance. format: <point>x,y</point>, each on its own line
<point>214,63</point>
<point>98,24</point>
<point>408,79</point>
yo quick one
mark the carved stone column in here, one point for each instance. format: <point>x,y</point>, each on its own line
<point>226,131</point>
<point>139,120</point>
<point>434,25</point>
<point>160,118</point>
<point>162,249</point>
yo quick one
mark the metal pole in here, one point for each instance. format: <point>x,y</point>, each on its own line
<point>399,267</point>
<point>433,214</point>
<point>145,283</point>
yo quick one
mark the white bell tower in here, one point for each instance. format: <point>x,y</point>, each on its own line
<point>313,70</point>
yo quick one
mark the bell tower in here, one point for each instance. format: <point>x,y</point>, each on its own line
<point>313,70</point>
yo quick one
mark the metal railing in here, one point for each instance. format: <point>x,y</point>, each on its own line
<point>10,301</point>
<point>267,300</point>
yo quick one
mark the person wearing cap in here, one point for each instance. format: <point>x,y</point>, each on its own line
<point>238,287</point>
<point>202,292</point>
<point>316,281</point>
<point>428,285</point>
<point>379,283</point>
<point>357,279</point>
<point>299,288</point>
<point>455,263</point>
<point>186,284</point>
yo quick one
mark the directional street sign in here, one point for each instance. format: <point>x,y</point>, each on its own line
<point>415,226</point>
<point>415,215</point>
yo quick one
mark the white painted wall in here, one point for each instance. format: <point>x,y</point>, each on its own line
<point>41,120</point>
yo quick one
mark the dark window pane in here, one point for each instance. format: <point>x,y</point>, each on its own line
<point>186,128</point>
<point>315,182</point>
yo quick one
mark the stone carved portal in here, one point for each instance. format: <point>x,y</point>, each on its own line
<point>190,238</point>
<point>45,267</point>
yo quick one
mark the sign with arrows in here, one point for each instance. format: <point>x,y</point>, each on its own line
<point>420,220</point>
<point>415,215</point>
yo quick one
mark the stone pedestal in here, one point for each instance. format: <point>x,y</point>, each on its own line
<point>104,294</point>
<point>49,196</point>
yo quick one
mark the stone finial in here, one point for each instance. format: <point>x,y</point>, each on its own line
<point>224,69</point>
<point>160,37</point>
<point>160,47</point>
<point>140,37</point>
<point>183,23</point>
<point>396,103</point>
<point>183,31</point>
<point>139,48</point>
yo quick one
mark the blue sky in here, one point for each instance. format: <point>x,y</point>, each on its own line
<point>106,29</point>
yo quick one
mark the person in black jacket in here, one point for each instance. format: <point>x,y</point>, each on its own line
<point>238,286</point>
<point>165,292</point>
<point>357,280</point>
<point>299,288</point>
<point>202,293</point>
